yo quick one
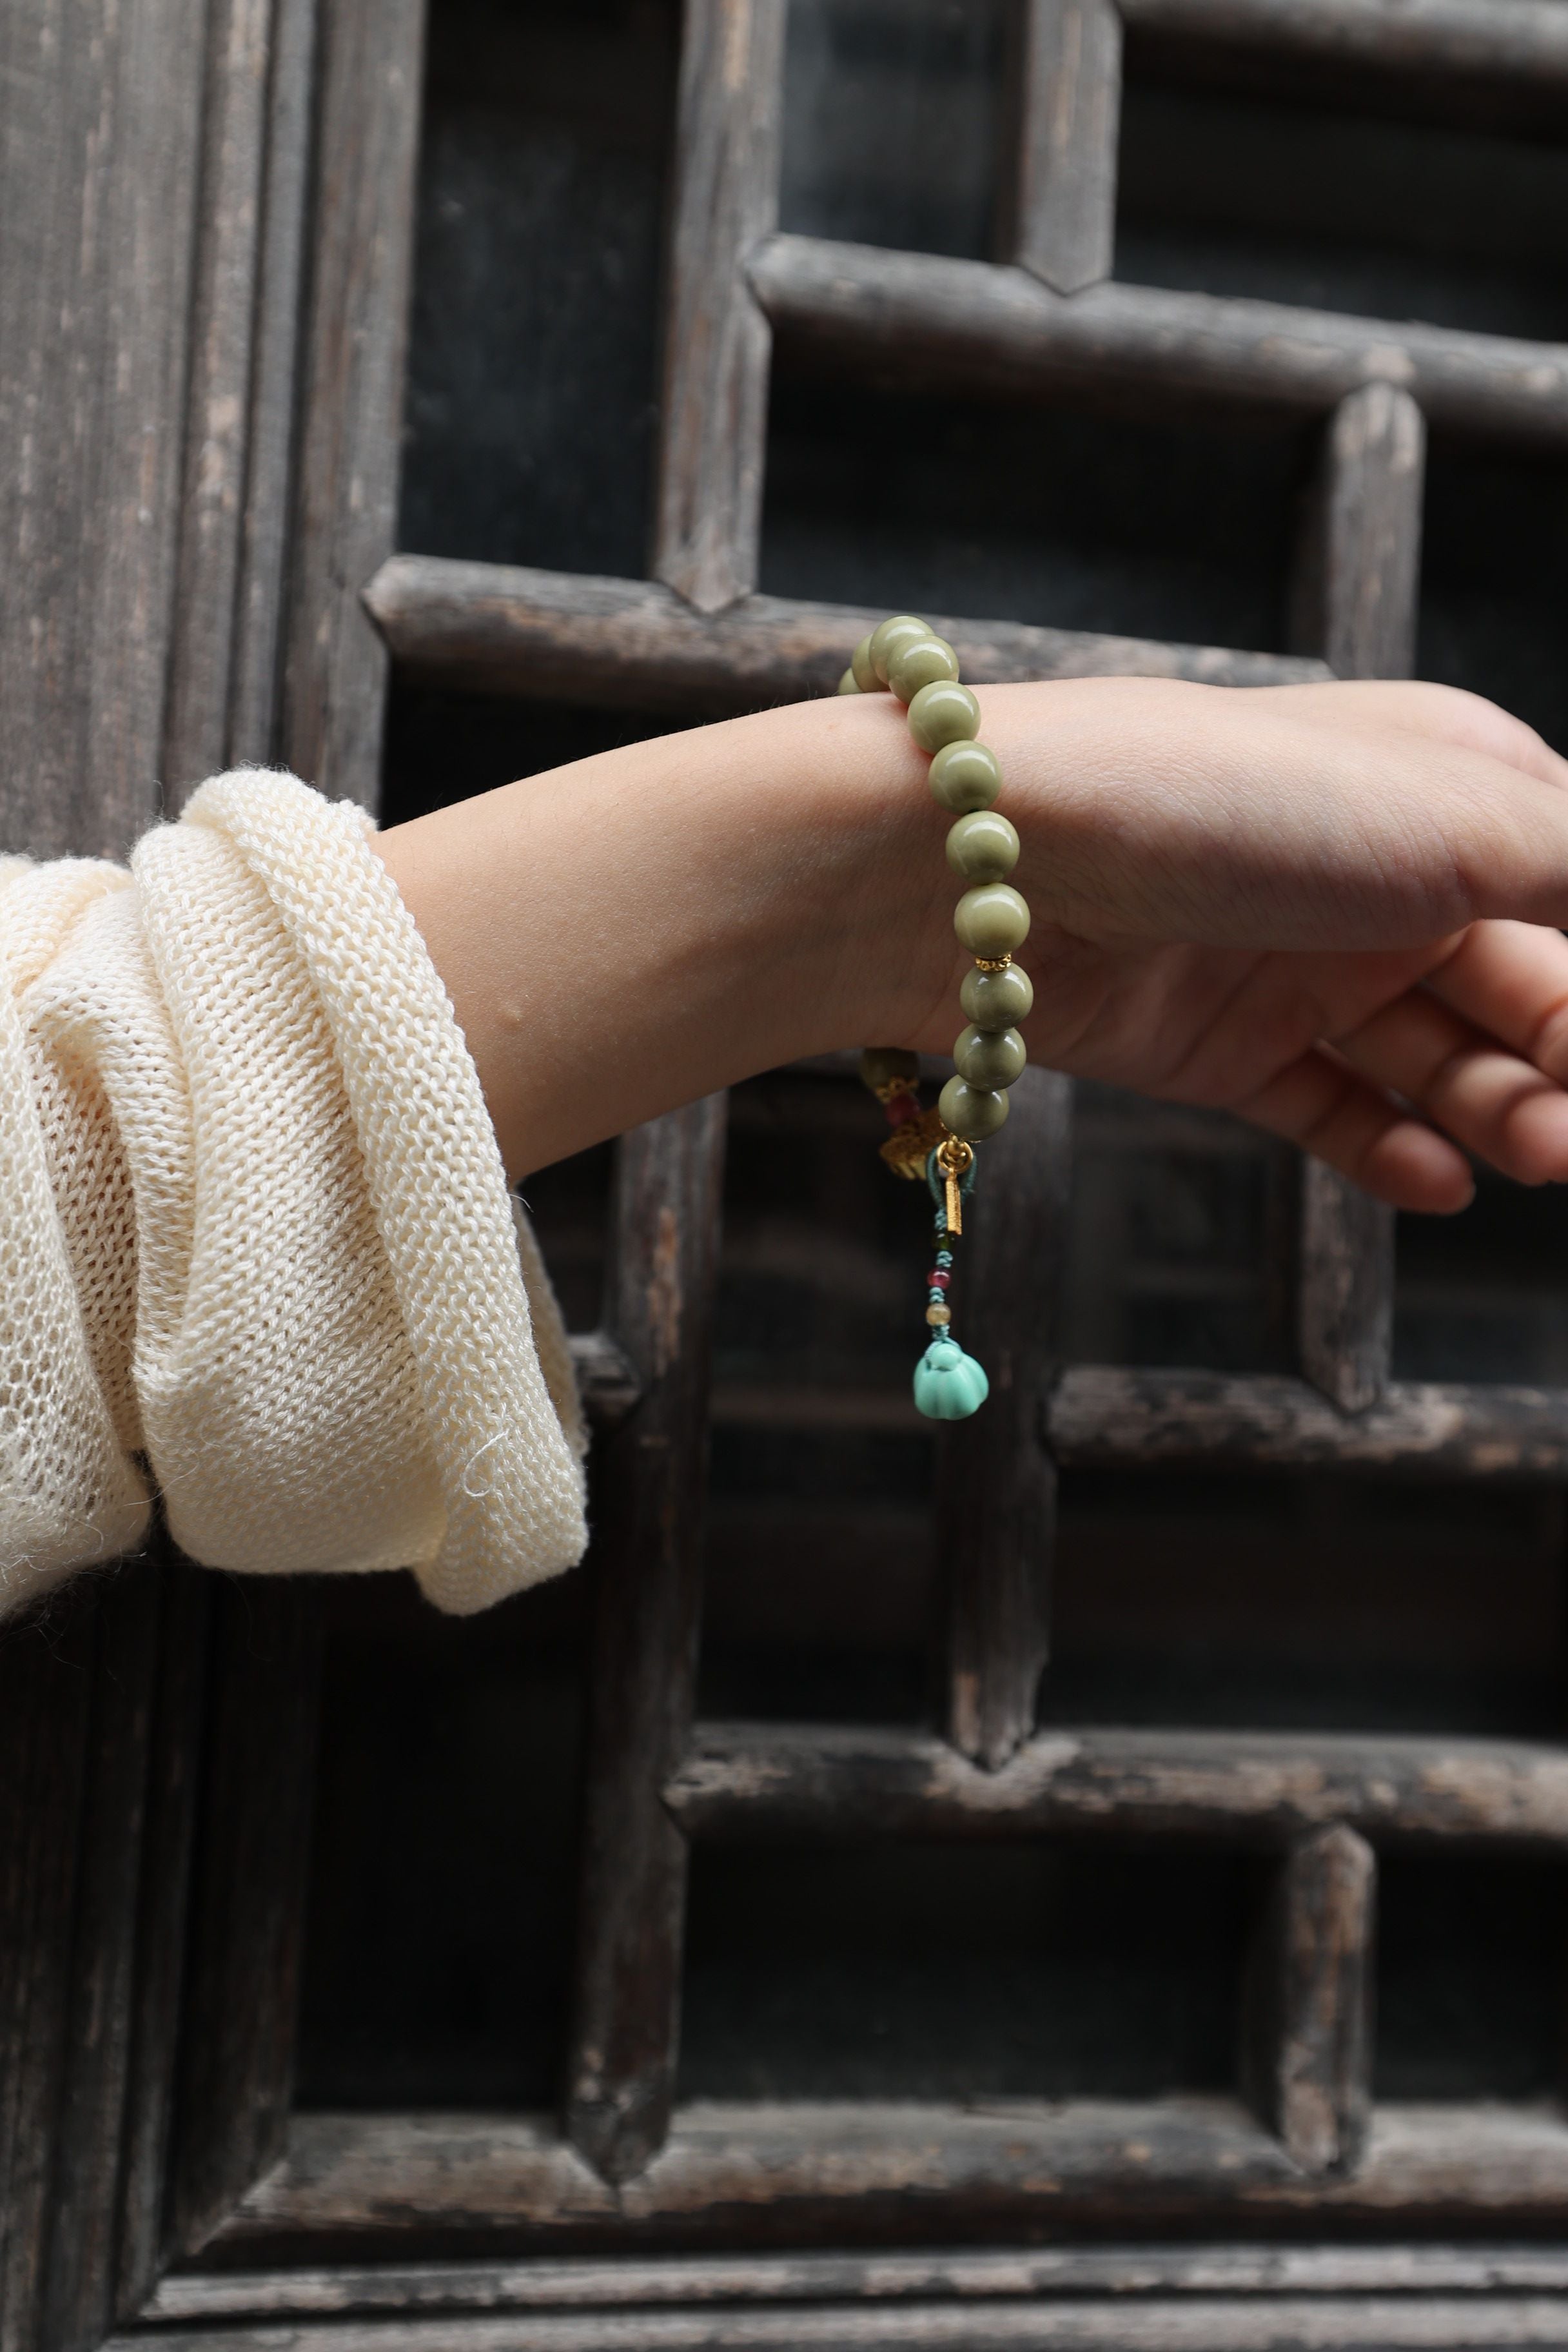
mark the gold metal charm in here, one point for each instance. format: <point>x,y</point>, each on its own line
<point>955,1159</point>
<point>909,1147</point>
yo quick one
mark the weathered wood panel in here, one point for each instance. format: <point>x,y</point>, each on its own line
<point>352,396</point>
<point>971,325</point>
<point>885,2176</point>
<point>1070,106</point>
<point>236,2070</point>
<point>1125,2271</point>
<point>1104,1414</point>
<point>1344,1305</point>
<point>997,1485</point>
<point>1256,1788</point>
<point>1311,1998</point>
<point>503,629</point>
<point>718,346</point>
<point>97,184</point>
<point>1527,40</point>
<point>649,1475</point>
<point>1422,2325</point>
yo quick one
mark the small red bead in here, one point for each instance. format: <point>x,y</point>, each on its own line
<point>938,1280</point>
<point>901,1109</point>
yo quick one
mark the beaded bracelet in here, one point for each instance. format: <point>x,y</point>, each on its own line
<point>991,919</point>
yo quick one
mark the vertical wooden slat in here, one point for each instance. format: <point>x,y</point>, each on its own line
<point>361,251</point>
<point>996,1483</point>
<point>168,1839</point>
<point>98,174</point>
<point>717,341</point>
<point>217,412</point>
<point>648,1487</point>
<point>79,2299</point>
<point>1309,2025</point>
<point>1069,114</point>
<point>236,2060</point>
<point>1356,603</point>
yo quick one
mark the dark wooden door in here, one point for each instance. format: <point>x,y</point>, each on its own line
<point>1121,1847</point>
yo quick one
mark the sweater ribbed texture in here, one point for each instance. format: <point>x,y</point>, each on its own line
<point>255,1235</point>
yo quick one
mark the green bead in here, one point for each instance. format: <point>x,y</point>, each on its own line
<point>983,847</point>
<point>973,1112</point>
<point>880,1065</point>
<point>890,636</point>
<point>990,1057</point>
<point>866,678</point>
<point>925,663</point>
<point>992,920</point>
<point>949,1385</point>
<point>996,1000</point>
<point>943,713</point>
<point>846,684</point>
<point>965,775</point>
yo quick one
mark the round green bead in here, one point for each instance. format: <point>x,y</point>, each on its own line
<point>965,775</point>
<point>992,920</point>
<point>847,683</point>
<point>866,678</point>
<point>996,1000</point>
<point>973,1112</point>
<point>943,713</point>
<point>982,847</point>
<point>990,1057</point>
<point>880,1064</point>
<point>925,663</point>
<point>892,636</point>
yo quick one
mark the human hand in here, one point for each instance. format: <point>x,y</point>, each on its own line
<point>1328,908</point>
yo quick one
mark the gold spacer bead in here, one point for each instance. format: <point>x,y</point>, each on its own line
<point>935,1316</point>
<point>992,963</point>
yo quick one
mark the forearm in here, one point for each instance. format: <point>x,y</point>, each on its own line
<point>638,929</point>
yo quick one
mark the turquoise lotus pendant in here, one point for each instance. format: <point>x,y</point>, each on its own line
<point>949,1385</point>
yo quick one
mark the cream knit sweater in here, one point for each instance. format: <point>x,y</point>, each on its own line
<point>257,1247</point>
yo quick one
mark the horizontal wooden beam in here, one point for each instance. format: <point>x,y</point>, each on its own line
<point>1106,1415</point>
<point>1521,40</point>
<point>354,2186</point>
<point>1248,1788</point>
<point>502,629</point>
<point>985,327</point>
<point>1131,2272</point>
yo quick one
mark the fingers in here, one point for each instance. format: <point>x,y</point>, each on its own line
<point>1511,979</point>
<point>1487,1096</point>
<point>1327,1110</point>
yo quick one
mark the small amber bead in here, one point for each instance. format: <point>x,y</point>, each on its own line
<point>992,920</point>
<point>943,714</point>
<point>965,775</point>
<point>935,1316</point>
<point>972,1112</point>
<point>927,662</point>
<point>983,847</point>
<point>890,636</point>
<point>996,1000</point>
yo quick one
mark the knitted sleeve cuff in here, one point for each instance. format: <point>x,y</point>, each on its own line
<point>337,1350</point>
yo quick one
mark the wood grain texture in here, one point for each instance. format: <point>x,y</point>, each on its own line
<point>976,327</point>
<point>1070,114</point>
<point>98,181</point>
<point>885,2176</point>
<point>1344,1307</point>
<point>503,629</point>
<point>351,398</point>
<point>649,1481</point>
<point>1527,40</point>
<point>1105,1414</point>
<point>1427,2324</point>
<point>236,2071</point>
<point>1309,2001</point>
<point>997,1485</point>
<point>1128,2270</point>
<point>717,342</point>
<point>1262,1790</point>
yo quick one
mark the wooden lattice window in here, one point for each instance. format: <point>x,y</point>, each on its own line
<point>1195,1338</point>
